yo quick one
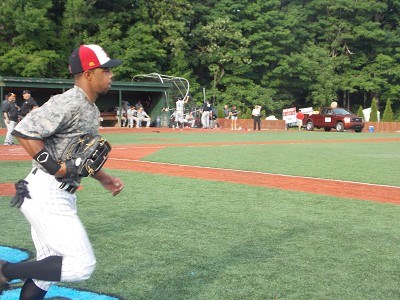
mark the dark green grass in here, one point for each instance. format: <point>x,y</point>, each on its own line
<point>363,162</point>
<point>175,238</point>
<point>332,155</point>
<point>150,136</point>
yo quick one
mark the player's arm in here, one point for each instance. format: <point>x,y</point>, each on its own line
<point>35,147</point>
<point>111,183</point>
<point>6,119</point>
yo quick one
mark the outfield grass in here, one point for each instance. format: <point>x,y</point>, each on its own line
<point>167,237</point>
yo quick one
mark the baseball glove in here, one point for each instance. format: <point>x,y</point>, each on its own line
<point>84,156</point>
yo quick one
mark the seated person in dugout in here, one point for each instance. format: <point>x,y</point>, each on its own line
<point>132,117</point>
<point>143,116</point>
<point>121,113</point>
<point>189,120</point>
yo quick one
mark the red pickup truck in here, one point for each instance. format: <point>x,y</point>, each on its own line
<point>338,118</point>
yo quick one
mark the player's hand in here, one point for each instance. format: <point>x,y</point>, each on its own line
<point>111,183</point>
<point>22,192</point>
<point>61,172</point>
<point>114,185</point>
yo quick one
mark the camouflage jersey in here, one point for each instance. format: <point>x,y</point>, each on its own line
<point>60,119</point>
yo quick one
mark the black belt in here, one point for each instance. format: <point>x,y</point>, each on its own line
<point>63,186</point>
<point>68,187</point>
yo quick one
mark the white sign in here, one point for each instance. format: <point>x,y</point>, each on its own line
<point>289,115</point>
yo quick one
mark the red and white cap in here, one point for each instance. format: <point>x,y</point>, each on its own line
<point>88,57</point>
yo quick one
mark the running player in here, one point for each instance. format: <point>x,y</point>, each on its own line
<point>64,252</point>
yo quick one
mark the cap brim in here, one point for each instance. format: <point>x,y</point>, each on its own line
<point>111,63</point>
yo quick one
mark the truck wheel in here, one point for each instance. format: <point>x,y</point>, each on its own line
<point>327,129</point>
<point>339,126</point>
<point>309,126</point>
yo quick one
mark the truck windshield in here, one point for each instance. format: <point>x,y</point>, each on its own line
<point>341,111</point>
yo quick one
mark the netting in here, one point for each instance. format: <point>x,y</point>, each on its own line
<point>180,86</point>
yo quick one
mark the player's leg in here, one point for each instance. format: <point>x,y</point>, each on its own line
<point>63,233</point>
<point>9,138</point>
<point>30,291</point>
<point>56,226</point>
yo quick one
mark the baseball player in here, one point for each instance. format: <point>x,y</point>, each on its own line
<point>10,115</point>
<point>179,111</point>
<point>46,196</point>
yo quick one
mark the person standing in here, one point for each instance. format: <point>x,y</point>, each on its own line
<point>256,113</point>
<point>28,105</point>
<point>179,110</point>
<point>138,105</point>
<point>299,117</point>
<point>10,115</point>
<point>234,116</point>
<point>63,250</point>
<point>227,112</point>
<point>205,115</point>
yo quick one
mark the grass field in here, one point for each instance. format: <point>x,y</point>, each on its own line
<point>169,237</point>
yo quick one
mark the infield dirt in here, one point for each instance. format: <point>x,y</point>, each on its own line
<point>133,158</point>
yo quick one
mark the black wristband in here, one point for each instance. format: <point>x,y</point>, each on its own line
<point>43,157</point>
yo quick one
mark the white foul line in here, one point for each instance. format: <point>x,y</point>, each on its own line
<point>259,172</point>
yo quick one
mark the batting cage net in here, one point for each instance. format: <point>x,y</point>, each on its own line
<point>180,86</point>
<point>180,89</point>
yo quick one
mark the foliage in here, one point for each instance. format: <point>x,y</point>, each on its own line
<point>274,53</point>
<point>388,113</point>
<point>360,111</point>
<point>374,111</point>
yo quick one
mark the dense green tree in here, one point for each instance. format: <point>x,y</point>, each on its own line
<point>360,111</point>
<point>374,111</point>
<point>30,39</point>
<point>388,113</point>
<point>269,52</point>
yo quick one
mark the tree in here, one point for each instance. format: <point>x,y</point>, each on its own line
<point>388,113</point>
<point>373,117</point>
<point>360,112</point>
<point>32,42</point>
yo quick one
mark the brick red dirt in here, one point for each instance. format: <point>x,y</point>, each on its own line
<point>128,157</point>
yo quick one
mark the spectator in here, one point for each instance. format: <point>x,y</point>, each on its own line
<point>143,116</point>
<point>299,117</point>
<point>213,120</point>
<point>227,112</point>
<point>190,119</point>
<point>28,105</point>
<point>256,113</point>
<point>234,116</point>
<point>10,115</point>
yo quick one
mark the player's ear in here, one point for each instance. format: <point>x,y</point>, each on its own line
<point>88,74</point>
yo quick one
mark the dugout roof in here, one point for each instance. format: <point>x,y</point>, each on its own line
<point>153,95</point>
